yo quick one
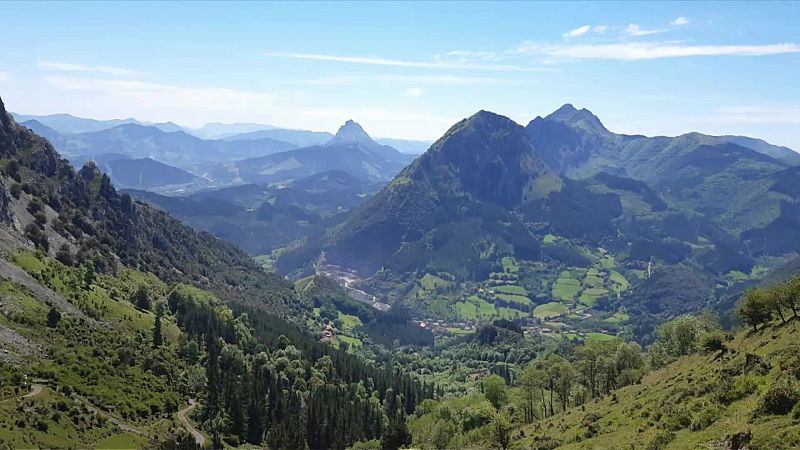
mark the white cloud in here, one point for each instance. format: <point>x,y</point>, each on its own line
<point>580,31</point>
<point>417,79</point>
<point>405,63</point>
<point>414,92</point>
<point>575,32</point>
<point>653,50</point>
<point>5,76</point>
<point>69,67</point>
<point>679,22</point>
<point>636,30</point>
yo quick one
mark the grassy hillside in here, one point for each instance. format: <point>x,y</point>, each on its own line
<point>696,402</point>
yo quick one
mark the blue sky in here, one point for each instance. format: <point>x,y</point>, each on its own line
<point>410,70</point>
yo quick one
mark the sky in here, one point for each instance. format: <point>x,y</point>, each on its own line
<point>409,70</point>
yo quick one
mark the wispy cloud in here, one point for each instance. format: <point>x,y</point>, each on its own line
<point>416,79</point>
<point>575,32</point>
<point>374,61</point>
<point>414,92</point>
<point>636,30</point>
<point>163,95</point>
<point>467,55</point>
<point>652,50</point>
<point>586,29</point>
<point>679,22</point>
<point>69,67</point>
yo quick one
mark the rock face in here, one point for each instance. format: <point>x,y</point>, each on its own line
<point>5,204</point>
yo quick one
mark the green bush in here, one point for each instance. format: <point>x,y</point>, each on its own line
<point>661,440</point>
<point>781,397</point>
<point>705,418</point>
<point>729,389</point>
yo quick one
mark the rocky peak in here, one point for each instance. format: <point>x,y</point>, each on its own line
<point>577,118</point>
<point>351,133</point>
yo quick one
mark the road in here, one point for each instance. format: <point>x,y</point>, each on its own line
<point>183,414</point>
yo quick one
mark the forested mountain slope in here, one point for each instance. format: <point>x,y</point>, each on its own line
<point>116,317</point>
<point>733,186</point>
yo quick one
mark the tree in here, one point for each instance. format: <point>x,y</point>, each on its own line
<point>141,298</point>
<point>36,235</point>
<point>494,388</point>
<point>53,317</point>
<point>530,383</point>
<point>157,338</point>
<point>754,308</point>
<point>502,430</point>
<point>788,294</point>
<point>88,275</point>
<point>64,255</point>
<point>566,375</point>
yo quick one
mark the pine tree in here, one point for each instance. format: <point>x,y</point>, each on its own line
<point>157,337</point>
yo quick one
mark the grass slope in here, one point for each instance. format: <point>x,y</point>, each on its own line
<point>693,403</point>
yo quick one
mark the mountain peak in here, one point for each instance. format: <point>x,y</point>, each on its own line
<point>579,118</point>
<point>351,133</point>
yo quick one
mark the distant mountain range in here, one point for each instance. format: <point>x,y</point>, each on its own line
<point>165,158</point>
<point>68,124</point>
<point>259,218</point>
<point>351,150</point>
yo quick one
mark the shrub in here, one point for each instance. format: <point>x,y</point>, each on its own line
<point>730,389</point>
<point>661,440</point>
<point>677,419</point>
<point>37,236</point>
<point>64,255</point>
<point>713,341</point>
<point>16,190</point>
<point>781,397</point>
<point>705,418</point>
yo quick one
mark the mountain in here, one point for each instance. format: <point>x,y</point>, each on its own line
<point>563,215</point>
<point>145,173</point>
<point>405,145</point>
<point>173,148</point>
<point>123,327</point>
<point>216,130</point>
<point>85,212</point>
<point>351,150</point>
<point>733,186</point>
<point>300,138</point>
<point>784,154</point>
<point>452,196</point>
<point>44,131</point>
<point>261,218</point>
<point>167,127</point>
<point>69,124</point>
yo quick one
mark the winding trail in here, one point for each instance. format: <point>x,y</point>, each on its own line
<point>121,424</point>
<point>182,415</point>
<point>36,389</point>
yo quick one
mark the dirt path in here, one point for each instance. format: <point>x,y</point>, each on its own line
<point>184,419</point>
<point>36,389</point>
<point>121,424</point>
